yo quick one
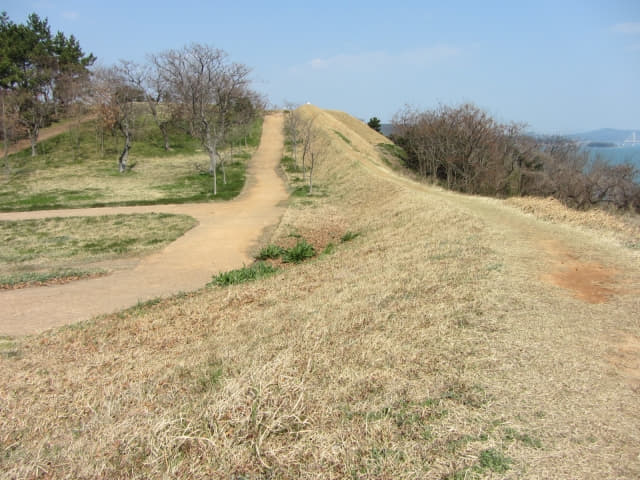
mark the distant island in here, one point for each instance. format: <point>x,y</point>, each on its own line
<point>601,144</point>
<point>605,135</point>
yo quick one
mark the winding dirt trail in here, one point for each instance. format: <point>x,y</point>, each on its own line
<point>47,133</point>
<point>221,241</point>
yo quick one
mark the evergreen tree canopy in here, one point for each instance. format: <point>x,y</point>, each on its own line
<point>374,122</point>
<point>39,72</point>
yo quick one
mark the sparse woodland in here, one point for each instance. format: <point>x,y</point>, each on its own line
<point>309,144</point>
<point>46,78</point>
<point>465,149</point>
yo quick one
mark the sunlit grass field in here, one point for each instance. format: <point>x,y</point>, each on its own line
<point>73,170</point>
<point>58,249</point>
<point>425,344</point>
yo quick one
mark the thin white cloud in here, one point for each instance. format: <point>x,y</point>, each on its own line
<point>383,59</point>
<point>71,15</point>
<point>629,28</point>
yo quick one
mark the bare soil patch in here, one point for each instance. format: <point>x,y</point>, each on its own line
<point>591,282</point>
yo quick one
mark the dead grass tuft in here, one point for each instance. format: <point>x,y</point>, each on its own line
<point>624,227</point>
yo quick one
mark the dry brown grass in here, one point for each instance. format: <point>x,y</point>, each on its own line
<point>623,226</point>
<point>420,349</point>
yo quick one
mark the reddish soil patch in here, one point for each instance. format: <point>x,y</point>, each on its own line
<point>590,282</point>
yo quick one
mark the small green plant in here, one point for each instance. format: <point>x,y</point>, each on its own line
<point>290,165</point>
<point>299,252</point>
<point>210,375</point>
<point>329,249</point>
<point>244,274</point>
<point>526,439</point>
<point>270,251</point>
<point>494,461</point>
<point>9,348</point>
<point>348,236</point>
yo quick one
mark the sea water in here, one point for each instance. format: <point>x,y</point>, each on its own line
<point>616,155</point>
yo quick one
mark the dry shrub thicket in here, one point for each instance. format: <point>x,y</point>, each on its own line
<point>424,348</point>
<point>465,149</point>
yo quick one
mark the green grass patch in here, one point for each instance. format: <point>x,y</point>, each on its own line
<point>342,137</point>
<point>270,251</point>
<point>394,151</point>
<point>301,191</point>
<point>290,165</point>
<point>73,170</point>
<point>55,248</point>
<point>510,434</point>
<point>245,274</point>
<point>300,252</point>
<point>494,460</point>
<point>28,279</point>
<point>9,348</point>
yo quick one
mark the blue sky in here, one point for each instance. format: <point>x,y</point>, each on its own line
<point>559,66</point>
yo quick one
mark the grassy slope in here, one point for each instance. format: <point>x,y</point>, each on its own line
<point>420,349</point>
<point>58,248</point>
<point>69,171</point>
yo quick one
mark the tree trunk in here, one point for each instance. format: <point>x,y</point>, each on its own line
<point>124,156</point>
<point>212,148</point>
<point>212,169</point>
<point>5,137</point>
<point>224,172</point>
<point>33,137</point>
<point>165,137</point>
<point>311,173</point>
<point>295,151</point>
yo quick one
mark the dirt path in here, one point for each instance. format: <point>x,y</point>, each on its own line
<point>47,133</point>
<point>222,240</point>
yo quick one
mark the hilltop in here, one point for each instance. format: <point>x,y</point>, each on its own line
<point>451,337</point>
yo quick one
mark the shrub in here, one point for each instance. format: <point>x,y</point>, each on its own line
<point>270,251</point>
<point>299,252</point>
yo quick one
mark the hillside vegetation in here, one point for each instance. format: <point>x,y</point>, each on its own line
<point>445,340</point>
<point>75,170</point>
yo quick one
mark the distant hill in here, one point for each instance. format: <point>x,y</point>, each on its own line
<point>607,135</point>
<point>603,135</point>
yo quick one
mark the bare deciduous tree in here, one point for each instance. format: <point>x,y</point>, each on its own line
<point>292,128</point>
<point>315,147</point>
<point>151,83</point>
<point>202,79</point>
<point>465,149</point>
<point>114,98</point>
